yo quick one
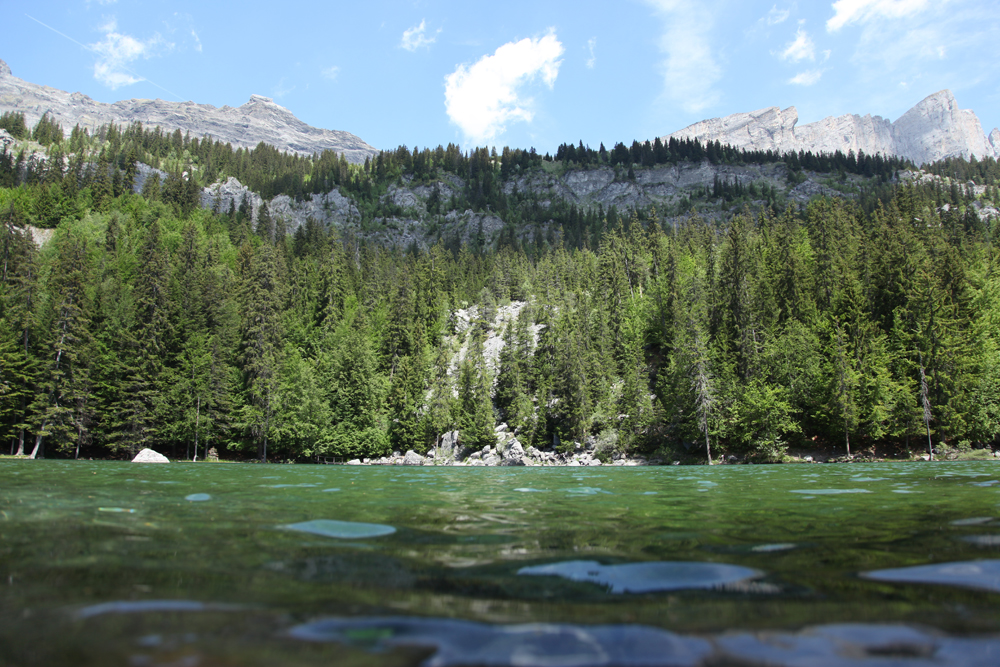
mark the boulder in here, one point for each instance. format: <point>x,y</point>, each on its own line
<point>354,462</point>
<point>413,459</point>
<point>514,452</point>
<point>149,456</point>
<point>492,460</point>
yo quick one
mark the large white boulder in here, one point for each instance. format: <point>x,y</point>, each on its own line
<point>413,459</point>
<point>149,456</point>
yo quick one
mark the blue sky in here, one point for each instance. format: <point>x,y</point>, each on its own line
<point>517,73</point>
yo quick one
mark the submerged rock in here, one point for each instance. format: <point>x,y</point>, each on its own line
<point>149,456</point>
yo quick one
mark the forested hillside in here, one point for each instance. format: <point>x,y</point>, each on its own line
<point>148,321</point>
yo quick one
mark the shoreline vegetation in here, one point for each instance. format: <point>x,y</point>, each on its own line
<point>740,322</point>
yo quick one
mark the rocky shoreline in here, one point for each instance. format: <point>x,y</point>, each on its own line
<point>507,452</point>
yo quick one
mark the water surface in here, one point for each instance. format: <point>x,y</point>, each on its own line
<point>115,563</point>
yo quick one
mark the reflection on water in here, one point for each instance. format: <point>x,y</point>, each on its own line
<point>340,529</point>
<point>646,577</point>
<point>982,574</point>
<point>107,563</point>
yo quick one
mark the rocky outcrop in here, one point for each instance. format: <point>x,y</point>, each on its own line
<point>932,130</point>
<point>260,119</point>
<point>149,456</point>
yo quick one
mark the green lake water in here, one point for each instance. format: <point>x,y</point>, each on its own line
<point>183,564</point>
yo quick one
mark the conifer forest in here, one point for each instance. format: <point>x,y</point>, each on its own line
<point>735,322</point>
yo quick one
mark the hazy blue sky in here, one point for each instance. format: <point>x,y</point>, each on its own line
<point>514,72</point>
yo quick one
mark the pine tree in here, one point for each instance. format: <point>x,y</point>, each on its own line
<point>261,345</point>
<point>143,406</point>
<point>61,401</point>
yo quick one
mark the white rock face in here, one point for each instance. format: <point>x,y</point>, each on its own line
<point>149,456</point>
<point>932,130</point>
<point>936,129</point>
<point>258,120</point>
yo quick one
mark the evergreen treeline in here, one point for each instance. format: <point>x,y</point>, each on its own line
<point>649,154</point>
<point>147,323</point>
<point>487,175</point>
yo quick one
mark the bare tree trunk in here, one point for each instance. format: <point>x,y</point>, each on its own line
<point>197,420</point>
<point>925,401</point>
<point>38,440</point>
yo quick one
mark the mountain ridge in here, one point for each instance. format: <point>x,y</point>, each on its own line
<point>933,129</point>
<point>259,119</point>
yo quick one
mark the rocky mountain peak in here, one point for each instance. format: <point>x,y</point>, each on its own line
<point>934,129</point>
<point>258,120</point>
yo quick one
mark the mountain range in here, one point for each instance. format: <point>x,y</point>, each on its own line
<point>260,119</point>
<point>933,130</point>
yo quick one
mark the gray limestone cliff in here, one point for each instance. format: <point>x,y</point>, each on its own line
<point>260,119</point>
<point>934,129</point>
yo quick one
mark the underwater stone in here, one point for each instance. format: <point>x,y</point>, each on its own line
<point>530,645</point>
<point>460,643</point>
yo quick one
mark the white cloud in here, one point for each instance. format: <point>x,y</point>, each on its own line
<point>807,78</point>
<point>281,89</point>
<point>802,48</point>
<point>116,51</point>
<point>776,16</point>
<point>416,37</point>
<point>197,41</point>
<point>331,73</point>
<point>483,98</point>
<point>592,60</point>
<point>689,70</point>
<point>861,11</point>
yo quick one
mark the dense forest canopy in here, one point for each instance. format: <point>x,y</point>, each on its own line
<point>148,321</point>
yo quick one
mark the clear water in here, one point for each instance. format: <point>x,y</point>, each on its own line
<point>202,564</point>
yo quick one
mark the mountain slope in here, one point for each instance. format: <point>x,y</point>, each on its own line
<point>260,119</point>
<point>934,129</point>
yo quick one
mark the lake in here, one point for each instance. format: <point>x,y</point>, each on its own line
<point>105,563</point>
